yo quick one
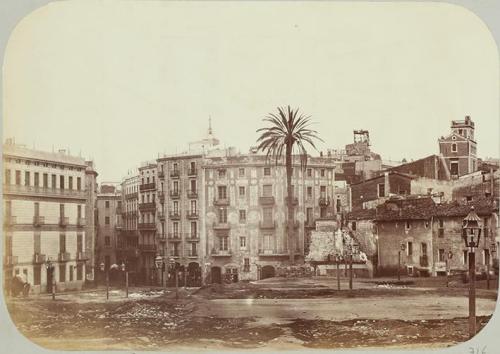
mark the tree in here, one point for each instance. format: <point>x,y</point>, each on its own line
<point>285,137</point>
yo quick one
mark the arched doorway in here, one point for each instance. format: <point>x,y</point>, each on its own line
<point>215,273</point>
<point>267,272</point>
<point>193,274</point>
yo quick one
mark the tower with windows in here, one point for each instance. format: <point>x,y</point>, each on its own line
<point>459,148</point>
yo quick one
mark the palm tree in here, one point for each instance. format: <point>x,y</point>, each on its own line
<point>287,133</point>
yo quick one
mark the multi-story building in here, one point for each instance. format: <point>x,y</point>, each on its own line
<point>459,148</point>
<point>45,217</point>
<point>147,221</point>
<point>109,223</point>
<point>127,251</point>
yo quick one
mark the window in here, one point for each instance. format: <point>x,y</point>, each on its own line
<point>61,182</point>
<point>8,208</point>
<point>45,180</point>
<point>268,242</point>
<point>223,243</point>
<point>322,172</point>
<point>194,229</point>
<point>222,173</point>
<point>246,265</point>
<point>26,178</point>
<point>36,241</point>
<point>309,216</point>
<point>441,255</point>
<point>107,241</point>
<point>7,176</point>
<point>37,274</point>
<point>338,205</point>
<point>267,171</point>
<point>175,229</point>
<point>176,187</point>
<point>460,131</point>
<point>54,181</point>
<point>18,177</point>
<point>193,185</point>
<point>61,210</point>
<point>106,204</point>
<point>62,243</point>
<point>440,228</point>
<point>37,209</point>
<point>469,198</point>
<point>309,172</point>
<point>454,168</point>
<point>193,207</point>
<point>106,220</point>
<point>222,192</point>
<point>322,190</point>
<point>222,215</point>
<point>241,172</point>
<point>62,273</point>
<point>486,256</point>
<point>78,211</point>
<point>71,269</point>
<point>424,249</point>
<point>70,182</point>
<point>79,271</point>
<point>243,242</point>
<point>267,190</point>
<point>407,224</point>
<point>465,257</point>
<point>409,248</point>
<point>194,250</point>
<point>353,226</point>
<point>243,216</point>
<point>79,183</point>
<point>176,207</point>
<point>79,243</point>
<point>453,147</point>
<point>37,179</point>
<point>176,167</point>
<point>241,191</point>
<point>309,192</point>
<point>267,215</point>
<point>381,190</point>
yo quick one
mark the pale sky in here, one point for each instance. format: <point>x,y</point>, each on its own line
<point>124,81</point>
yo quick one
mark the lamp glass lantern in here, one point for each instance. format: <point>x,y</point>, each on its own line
<point>471,230</point>
<point>158,261</point>
<point>102,266</point>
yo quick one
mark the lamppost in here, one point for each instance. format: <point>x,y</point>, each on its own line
<point>471,233</point>
<point>448,267</point>
<point>126,278</point>
<point>338,258</point>
<point>107,279</point>
<point>158,263</point>
<point>401,249</point>
<point>50,268</point>
<point>173,267</point>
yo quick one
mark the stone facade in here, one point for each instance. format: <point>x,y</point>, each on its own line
<point>45,200</point>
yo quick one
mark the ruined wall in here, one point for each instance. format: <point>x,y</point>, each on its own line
<point>425,185</point>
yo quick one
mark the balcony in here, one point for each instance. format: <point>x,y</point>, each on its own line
<point>147,187</point>
<point>146,226</point>
<point>221,253</point>
<point>63,256</point>
<point>174,215</point>
<point>132,195</point>
<point>63,221</point>
<point>82,256</point>
<point>275,252</point>
<point>310,224</point>
<point>424,261</point>
<point>174,237</point>
<point>147,206</point>
<point>221,226</point>
<point>39,258</point>
<point>12,189</point>
<point>161,215</point>
<point>267,224</point>
<point>192,237</point>
<point>38,220</point>
<point>324,201</point>
<point>161,196</point>
<point>174,253</point>
<point>10,260</point>
<point>191,172</point>
<point>80,222</point>
<point>192,214</point>
<point>295,201</point>
<point>266,200</point>
<point>192,254</point>
<point>175,194</point>
<point>162,237</point>
<point>192,194</point>
<point>161,174</point>
<point>9,220</point>
<point>147,248</point>
<point>118,226</point>
<point>221,202</point>
<point>175,174</point>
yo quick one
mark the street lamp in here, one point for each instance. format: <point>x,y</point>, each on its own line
<point>338,259</point>
<point>126,278</point>
<point>159,266</point>
<point>471,233</point>
<point>50,268</point>
<point>173,266</point>
<point>448,267</point>
<point>102,266</point>
<point>402,249</point>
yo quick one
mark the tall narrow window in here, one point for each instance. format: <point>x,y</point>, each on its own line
<point>243,216</point>
<point>454,147</point>
<point>194,229</point>
<point>7,176</point>
<point>79,183</point>
<point>26,178</point>
<point>309,192</point>
<point>267,214</point>
<point>54,181</point>
<point>193,207</point>
<point>61,182</point>
<point>71,269</point>
<point>62,243</point>
<point>267,190</point>
<point>70,182</point>
<point>61,210</point>
<point>45,180</point>
<point>222,192</point>
<point>79,243</point>
<point>79,271</point>
<point>37,249</point>
<point>79,211</point>
<point>62,272</point>
<point>37,209</point>
<point>222,215</point>
<point>241,191</point>
<point>37,179</point>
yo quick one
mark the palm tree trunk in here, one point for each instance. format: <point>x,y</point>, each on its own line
<point>289,192</point>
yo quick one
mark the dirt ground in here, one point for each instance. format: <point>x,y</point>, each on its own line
<point>274,313</point>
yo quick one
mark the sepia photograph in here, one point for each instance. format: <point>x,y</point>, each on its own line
<point>187,176</point>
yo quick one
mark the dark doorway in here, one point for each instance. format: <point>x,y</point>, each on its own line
<point>193,274</point>
<point>267,272</point>
<point>216,275</point>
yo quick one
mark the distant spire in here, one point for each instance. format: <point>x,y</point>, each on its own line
<point>209,125</point>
